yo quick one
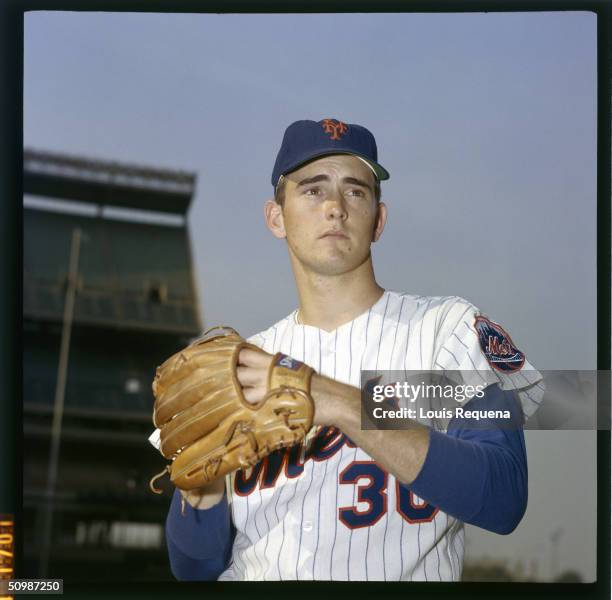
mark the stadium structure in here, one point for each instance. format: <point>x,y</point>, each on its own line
<point>123,230</point>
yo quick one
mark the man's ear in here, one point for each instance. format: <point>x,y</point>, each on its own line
<point>273,213</point>
<point>381,220</point>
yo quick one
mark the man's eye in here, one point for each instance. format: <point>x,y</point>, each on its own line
<point>312,191</point>
<point>356,193</point>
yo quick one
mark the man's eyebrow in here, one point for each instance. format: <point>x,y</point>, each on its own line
<point>314,179</point>
<point>356,181</point>
<point>318,178</point>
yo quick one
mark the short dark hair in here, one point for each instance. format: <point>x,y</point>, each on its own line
<point>279,192</point>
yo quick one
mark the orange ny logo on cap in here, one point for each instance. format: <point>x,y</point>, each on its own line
<point>336,128</point>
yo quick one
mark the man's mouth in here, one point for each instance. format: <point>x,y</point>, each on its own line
<point>335,234</point>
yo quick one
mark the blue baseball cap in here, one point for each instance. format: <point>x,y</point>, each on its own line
<point>306,140</point>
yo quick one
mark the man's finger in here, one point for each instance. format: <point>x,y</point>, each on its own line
<point>251,377</point>
<point>254,394</point>
<point>253,358</point>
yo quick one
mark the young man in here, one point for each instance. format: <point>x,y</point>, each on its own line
<point>353,504</point>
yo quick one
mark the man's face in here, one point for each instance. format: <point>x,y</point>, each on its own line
<point>330,215</point>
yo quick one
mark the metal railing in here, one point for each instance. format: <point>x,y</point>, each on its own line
<point>88,395</point>
<point>43,300</point>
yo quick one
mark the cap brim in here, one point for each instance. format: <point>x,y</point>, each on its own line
<point>381,173</point>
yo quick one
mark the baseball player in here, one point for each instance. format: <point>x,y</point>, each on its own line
<point>347,503</point>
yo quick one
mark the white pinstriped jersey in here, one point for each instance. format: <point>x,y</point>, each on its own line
<point>325,510</point>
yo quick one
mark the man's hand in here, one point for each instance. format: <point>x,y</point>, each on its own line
<point>205,497</point>
<point>252,373</point>
<point>338,405</point>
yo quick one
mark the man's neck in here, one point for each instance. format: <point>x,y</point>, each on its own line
<point>327,302</point>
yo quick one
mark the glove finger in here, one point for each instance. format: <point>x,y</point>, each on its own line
<point>226,449</point>
<point>187,392</point>
<point>215,354</point>
<point>243,440</point>
<point>197,421</point>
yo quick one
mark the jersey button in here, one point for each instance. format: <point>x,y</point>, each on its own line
<point>307,526</point>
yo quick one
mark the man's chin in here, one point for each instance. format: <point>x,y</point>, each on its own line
<point>334,265</point>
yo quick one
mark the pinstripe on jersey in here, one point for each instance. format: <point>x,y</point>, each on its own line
<point>325,510</point>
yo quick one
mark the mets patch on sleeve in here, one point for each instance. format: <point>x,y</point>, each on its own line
<point>497,346</point>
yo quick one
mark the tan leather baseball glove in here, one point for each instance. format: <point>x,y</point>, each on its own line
<point>207,428</point>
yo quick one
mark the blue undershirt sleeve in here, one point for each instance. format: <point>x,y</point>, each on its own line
<point>200,541</point>
<point>477,471</point>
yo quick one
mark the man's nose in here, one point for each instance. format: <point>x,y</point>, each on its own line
<point>335,207</point>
